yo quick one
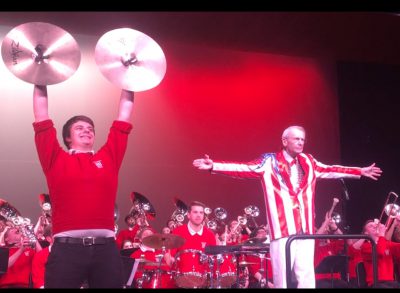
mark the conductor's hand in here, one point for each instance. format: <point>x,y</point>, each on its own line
<point>371,172</point>
<point>203,164</point>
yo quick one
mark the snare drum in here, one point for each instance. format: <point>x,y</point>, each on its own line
<point>191,269</point>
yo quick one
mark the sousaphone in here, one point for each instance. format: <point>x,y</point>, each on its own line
<point>141,205</point>
<point>40,53</point>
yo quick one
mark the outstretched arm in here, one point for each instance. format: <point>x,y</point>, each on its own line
<point>371,172</point>
<point>125,105</point>
<point>203,164</point>
<point>40,103</point>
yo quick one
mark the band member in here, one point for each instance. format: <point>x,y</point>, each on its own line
<point>83,188</point>
<point>329,247</point>
<point>127,233</point>
<point>21,253</point>
<point>260,269</point>
<point>40,259</point>
<point>288,179</point>
<point>150,261</point>
<point>197,236</point>
<point>385,250</point>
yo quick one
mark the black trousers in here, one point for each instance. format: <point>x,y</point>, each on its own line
<point>72,265</point>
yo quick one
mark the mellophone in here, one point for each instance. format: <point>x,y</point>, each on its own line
<point>219,266</point>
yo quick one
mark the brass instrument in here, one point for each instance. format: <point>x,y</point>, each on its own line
<point>217,223</point>
<point>11,214</point>
<point>45,204</point>
<point>116,217</point>
<point>142,209</point>
<point>392,210</point>
<point>207,213</point>
<point>335,202</point>
<point>252,212</point>
<point>178,216</point>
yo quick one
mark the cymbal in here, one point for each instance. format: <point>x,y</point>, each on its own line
<point>40,53</point>
<point>158,241</point>
<point>140,202</point>
<point>150,263</point>
<point>245,263</point>
<point>254,240</point>
<point>130,59</point>
<point>143,260</point>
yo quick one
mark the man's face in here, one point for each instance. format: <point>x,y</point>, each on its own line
<point>81,136</point>
<point>13,236</point>
<point>196,215</point>
<point>294,142</point>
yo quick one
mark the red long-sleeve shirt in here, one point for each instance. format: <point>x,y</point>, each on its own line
<point>38,267</point>
<point>385,251</point>
<point>83,187</point>
<point>18,274</point>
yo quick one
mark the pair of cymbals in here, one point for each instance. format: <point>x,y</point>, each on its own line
<point>167,241</point>
<point>44,54</point>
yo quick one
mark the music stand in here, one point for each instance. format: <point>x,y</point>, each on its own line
<point>332,264</point>
<point>127,266</point>
<point>4,255</point>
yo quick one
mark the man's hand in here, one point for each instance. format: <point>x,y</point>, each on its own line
<point>203,164</point>
<point>371,172</point>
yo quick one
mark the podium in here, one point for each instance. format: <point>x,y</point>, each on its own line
<point>332,264</point>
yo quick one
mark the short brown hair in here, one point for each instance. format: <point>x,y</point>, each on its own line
<point>66,131</point>
<point>197,204</point>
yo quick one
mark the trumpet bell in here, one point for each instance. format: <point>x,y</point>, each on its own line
<point>207,211</point>
<point>252,211</point>
<point>336,218</point>
<point>392,210</point>
<point>220,213</point>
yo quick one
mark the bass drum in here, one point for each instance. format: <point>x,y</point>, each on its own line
<point>191,269</point>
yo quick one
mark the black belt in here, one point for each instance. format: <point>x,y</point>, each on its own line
<point>85,241</point>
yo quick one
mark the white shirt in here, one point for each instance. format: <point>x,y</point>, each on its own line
<point>192,232</point>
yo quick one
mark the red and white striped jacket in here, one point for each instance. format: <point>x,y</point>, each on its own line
<point>288,211</point>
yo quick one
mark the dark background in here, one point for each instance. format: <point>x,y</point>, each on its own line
<point>369,128</point>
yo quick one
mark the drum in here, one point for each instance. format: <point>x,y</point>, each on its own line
<point>165,280</point>
<point>191,269</point>
<point>227,270</point>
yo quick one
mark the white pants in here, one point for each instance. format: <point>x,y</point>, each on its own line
<point>301,263</point>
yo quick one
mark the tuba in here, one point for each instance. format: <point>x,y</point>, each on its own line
<point>178,216</point>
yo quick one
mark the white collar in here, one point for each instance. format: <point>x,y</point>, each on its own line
<point>192,232</point>
<point>74,151</point>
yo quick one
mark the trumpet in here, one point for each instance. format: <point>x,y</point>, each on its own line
<point>234,232</point>
<point>335,202</point>
<point>392,210</point>
<point>220,214</point>
<point>252,212</point>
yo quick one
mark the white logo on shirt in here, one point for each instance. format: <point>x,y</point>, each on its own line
<point>98,164</point>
